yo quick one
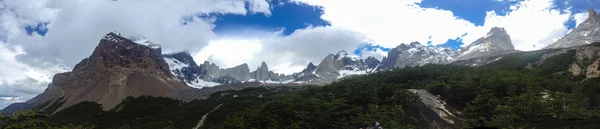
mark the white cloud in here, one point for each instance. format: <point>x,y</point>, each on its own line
<point>580,18</point>
<point>529,23</point>
<point>377,53</point>
<point>20,81</point>
<point>389,23</point>
<point>392,22</point>
<point>76,26</point>
<point>229,52</point>
<point>283,54</point>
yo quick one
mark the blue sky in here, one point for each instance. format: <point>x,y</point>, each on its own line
<point>292,16</point>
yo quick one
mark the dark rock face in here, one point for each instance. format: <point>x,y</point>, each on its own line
<point>497,41</point>
<point>416,54</point>
<point>372,62</point>
<point>118,68</point>
<point>188,70</point>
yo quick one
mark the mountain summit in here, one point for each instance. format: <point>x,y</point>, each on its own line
<point>496,41</point>
<point>118,68</point>
<point>416,54</point>
<point>585,33</point>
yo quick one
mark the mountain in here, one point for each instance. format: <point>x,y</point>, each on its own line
<point>550,88</point>
<point>585,33</point>
<point>262,74</point>
<point>497,41</point>
<point>332,67</point>
<point>416,54</point>
<point>12,108</point>
<point>119,67</point>
<point>209,74</point>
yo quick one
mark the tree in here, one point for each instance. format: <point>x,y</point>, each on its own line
<point>29,119</point>
<point>483,106</point>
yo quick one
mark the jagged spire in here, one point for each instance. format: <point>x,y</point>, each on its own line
<point>592,15</point>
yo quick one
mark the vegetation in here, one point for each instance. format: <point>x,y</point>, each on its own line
<point>30,119</point>
<point>514,92</point>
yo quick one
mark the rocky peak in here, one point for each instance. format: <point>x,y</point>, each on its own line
<point>183,57</point>
<point>416,44</point>
<point>497,31</point>
<point>415,54</point>
<point>341,54</point>
<point>585,33</point>
<point>183,66</point>
<point>309,68</point>
<point>403,47</point>
<point>261,73</point>
<point>372,62</point>
<point>117,68</point>
<point>592,15</point>
<point>117,51</point>
<point>496,41</point>
<point>264,65</point>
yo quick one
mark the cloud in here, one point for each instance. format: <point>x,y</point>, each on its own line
<point>392,22</point>
<point>75,27</point>
<point>19,80</point>
<point>529,23</point>
<point>377,53</point>
<point>283,54</point>
<point>229,52</point>
<point>389,23</point>
<point>580,18</point>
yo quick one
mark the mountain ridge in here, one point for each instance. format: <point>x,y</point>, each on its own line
<point>585,33</point>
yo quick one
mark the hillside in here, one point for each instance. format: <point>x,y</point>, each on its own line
<point>535,89</point>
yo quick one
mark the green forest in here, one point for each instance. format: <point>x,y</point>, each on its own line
<point>513,92</point>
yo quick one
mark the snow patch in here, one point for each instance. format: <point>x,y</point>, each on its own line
<point>199,83</point>
<point>277,82</point>
<point>344,73</point>
<point>147,43</point>
<point>175,64</point>
<point>112,38</point>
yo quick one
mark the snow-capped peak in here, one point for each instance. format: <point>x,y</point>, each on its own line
<point>416,44</point>
<point>143,41</point>
<point>496,41</point>
<point>415,54</point>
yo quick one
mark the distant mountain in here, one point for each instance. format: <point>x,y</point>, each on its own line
<point>416,54</point>
<point>19,106</point>
<point>585,33</point>
<point>336,66</point>
<point>119,67</point>
<point>496,41</point>
<point>209,74</point>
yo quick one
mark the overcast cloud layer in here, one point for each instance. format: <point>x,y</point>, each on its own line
<point>75,27</point>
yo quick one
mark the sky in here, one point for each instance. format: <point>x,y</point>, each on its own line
<point>39,38</point>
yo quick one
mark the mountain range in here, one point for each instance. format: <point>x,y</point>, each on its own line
<point>121,67</point>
